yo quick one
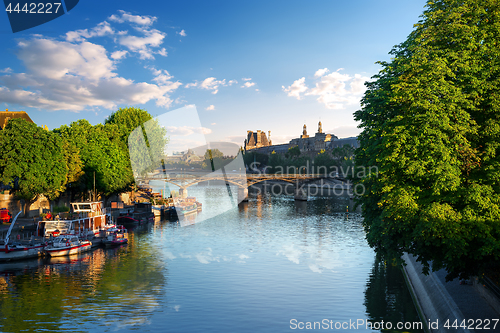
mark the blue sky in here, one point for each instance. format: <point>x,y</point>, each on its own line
<point>245,65</point>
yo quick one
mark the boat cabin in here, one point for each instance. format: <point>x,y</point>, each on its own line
<point>87,219</point>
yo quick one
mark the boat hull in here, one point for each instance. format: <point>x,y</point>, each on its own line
<point>68,250</point>
<point>115,243</point>
<point>19,253</point>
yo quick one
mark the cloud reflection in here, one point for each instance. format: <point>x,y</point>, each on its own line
<point>316,260</point>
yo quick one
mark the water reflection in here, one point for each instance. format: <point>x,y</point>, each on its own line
<point>387,298</point>
<point>252,268</point>
<point>112,288</point>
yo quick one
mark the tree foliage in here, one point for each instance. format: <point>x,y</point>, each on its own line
<point>430,121</point>
<point>142,137</point>
<point>102,154</point>
<point>32,161</point>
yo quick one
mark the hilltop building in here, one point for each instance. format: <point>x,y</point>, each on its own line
<point>7,115</point>
<point>258,142</point>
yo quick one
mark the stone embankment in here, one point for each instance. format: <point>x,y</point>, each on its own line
<point>441,304</point>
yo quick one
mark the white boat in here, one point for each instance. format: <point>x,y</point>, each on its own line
<point>157,209</point>
<point>115,237</point>
<point>65,245</point>
<point>17,250</point>
<point>88,219</point>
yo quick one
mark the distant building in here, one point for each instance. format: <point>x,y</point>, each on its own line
<point>258,142</point>
<point>7,115</point>
<point>316,143</point>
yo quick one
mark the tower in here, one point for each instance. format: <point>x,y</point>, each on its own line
<point>320,129</point>
<point>304,132</point>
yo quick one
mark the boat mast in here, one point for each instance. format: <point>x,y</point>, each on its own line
<point>6,241</point>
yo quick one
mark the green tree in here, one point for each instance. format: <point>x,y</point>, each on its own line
<point>431,126</point>
<point>142,137</point>
<point>32,161</point>
<point>323,161</point>
<point>102,155</point>
<point>214,159</point>
<point>293,152</point>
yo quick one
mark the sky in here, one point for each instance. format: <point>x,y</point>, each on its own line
<point>242,65</point>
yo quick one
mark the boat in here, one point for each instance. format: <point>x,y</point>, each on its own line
<point>116,237</point>
<point>86,220</point>
<point>142,213</point>
<point>186,208</point>
<point>158,210</point>
<point>65,245</point>
<point>17,250</point>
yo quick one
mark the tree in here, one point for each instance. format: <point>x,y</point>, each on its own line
<point>430,121</point>
<point>32,161</point>
<point>213,159</point>
<point>142,136</point>
<point>293,152</point>
<point>103,157</point>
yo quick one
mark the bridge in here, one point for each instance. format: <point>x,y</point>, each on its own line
<point>243,181</point>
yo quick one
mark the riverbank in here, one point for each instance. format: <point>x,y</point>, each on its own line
<point>439,302</point>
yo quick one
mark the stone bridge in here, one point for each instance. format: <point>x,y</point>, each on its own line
<point>242,181</point>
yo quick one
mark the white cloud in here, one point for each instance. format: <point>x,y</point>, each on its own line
<point>237,139</point>
<point>6,70</point>
<point>102,29</point>
<point>247,79</point>
<point>334,90</point>
<point>143,45</point>
<point>137,19</point>
<point>163,52</point>
<point>189,85</point>
<point>182,33</point>
<point>117,55</point>
<point>55,60</point>
<point>62,75</point>
<point>211,83</point>
<point>248,84</point>
<point>187,130</point>
<point>297,87</point>
<point>213,124</point>
<point>209,108</point>
<point>321,72</point>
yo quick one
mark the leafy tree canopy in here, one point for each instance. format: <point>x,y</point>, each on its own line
<point>32,161</point>
<point>143,138</point>
<point>293,152</point>
<point>101,154</point>
<point>430,121</point>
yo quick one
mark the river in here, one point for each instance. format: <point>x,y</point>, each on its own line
<point>269,265</point>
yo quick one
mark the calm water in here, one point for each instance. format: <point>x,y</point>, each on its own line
<point>252,269</point>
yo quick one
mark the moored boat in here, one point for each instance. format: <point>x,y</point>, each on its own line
<point>17,250</point>
<point>142,213</point>
<point>116,237</point>
<point>87,220</point>
<point>186,208</point>
<point>65,245</point>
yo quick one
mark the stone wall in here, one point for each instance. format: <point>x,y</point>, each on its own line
<point>15,205</point>
<point>43,205</point>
